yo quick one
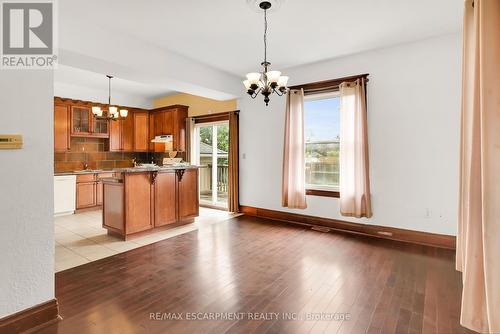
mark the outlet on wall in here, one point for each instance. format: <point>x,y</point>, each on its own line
<point>428,213</point>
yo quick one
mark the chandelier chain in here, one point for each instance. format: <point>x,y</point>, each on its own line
<point>265,35</point>
<point>109,90</point>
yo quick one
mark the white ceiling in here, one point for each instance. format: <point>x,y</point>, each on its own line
<point>227,34</point>
<point>71,82</point>
<point>98,81</point>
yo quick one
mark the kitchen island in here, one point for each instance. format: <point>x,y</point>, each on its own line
<point>141,199</point>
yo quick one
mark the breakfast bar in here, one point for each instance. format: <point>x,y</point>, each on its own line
<point>141,199</point>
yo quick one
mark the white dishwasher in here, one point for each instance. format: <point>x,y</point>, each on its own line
<point>64,195</point>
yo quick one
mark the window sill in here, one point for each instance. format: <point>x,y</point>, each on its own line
<point>324,193</point>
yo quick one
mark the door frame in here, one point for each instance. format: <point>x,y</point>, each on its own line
<point>196,154</point>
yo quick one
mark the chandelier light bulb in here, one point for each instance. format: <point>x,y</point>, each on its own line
<point>273,76</point>
<point>123,112</point>
<point>253,78</point>
<point>247,84</point>
<point>96,110</point>
<point>282,81</point>
<point>113,110</point>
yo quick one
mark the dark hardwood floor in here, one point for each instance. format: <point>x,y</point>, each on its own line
<point>249,265</point>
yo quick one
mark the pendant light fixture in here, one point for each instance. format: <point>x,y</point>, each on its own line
<point>112,112</point>
<point>266,82</point>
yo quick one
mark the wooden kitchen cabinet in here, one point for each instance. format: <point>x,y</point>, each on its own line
<point>98,193</point>
<point>85,195</point>
<point>61,128</point>
<point>138,194</point>
<point>74,118</point>
<point>99,187</point>
<point>141,131</point>
<point>164,123</point>
<point>159,118</point>
<point>100,127</point>
<point>83,123</point>
<point>171,120</point>
<point>128,133</point>
<point>151,131</point>
<point>121,134</point>
<point>89,190</point>
<point>187,189</point>
<point>165,205</point>
<point>115,136</point>
<point>139,201</point>
<point>179,128</point>
<point>80,120</point>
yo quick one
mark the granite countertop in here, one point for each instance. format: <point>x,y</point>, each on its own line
<point>79,172</point>
<point>129,170</point>
<point>153,169</point>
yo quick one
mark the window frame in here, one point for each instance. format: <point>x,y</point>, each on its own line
<point>321,190</point>
<point>326,86</point>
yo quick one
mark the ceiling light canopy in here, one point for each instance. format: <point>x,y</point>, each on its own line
<point>266,82</point>
<point>112,113</point>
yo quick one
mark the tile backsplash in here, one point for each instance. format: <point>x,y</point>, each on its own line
<point>94,152</point>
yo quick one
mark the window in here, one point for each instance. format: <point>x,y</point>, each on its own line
<point>322,143</point>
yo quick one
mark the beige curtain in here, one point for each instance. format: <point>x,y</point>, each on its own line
<point>354,172</point>
<point>189,138</point>
<point>478,239</point>
<point>233,191</point>
<point>293,182</point>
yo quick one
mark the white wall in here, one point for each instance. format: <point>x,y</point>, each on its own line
<point>26,191</point>
<point>413,116</point>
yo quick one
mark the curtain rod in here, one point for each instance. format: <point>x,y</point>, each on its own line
<point>328,84</point>
<point>215,114</point>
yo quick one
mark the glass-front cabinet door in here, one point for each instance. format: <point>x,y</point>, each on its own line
<point>100,127</point>
<point>80,120</point>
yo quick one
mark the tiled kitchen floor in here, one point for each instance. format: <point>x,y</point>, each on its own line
<point>80,238</point>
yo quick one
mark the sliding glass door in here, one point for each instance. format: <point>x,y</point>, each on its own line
<point>211,150</point>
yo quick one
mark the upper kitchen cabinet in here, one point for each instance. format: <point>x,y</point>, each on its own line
<point>80,120</point>
<point>128,133</point>
<point>141,131</point>
<point>171,120</point>
<point>100,127</point>
<point>74,118</point>
<point>121,134</point>
<point>115,135</point>
<point>180,116</point>
<point>83,123</point>
<point>61,128</point>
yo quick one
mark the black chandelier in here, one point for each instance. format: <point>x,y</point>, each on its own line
<point>267,82</point>
<point>112,112</point>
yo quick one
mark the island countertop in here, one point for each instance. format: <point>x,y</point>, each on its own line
<point>128,170</point>
<point>154,169</point>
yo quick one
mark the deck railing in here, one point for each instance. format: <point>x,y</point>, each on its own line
<point>222,178</point>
